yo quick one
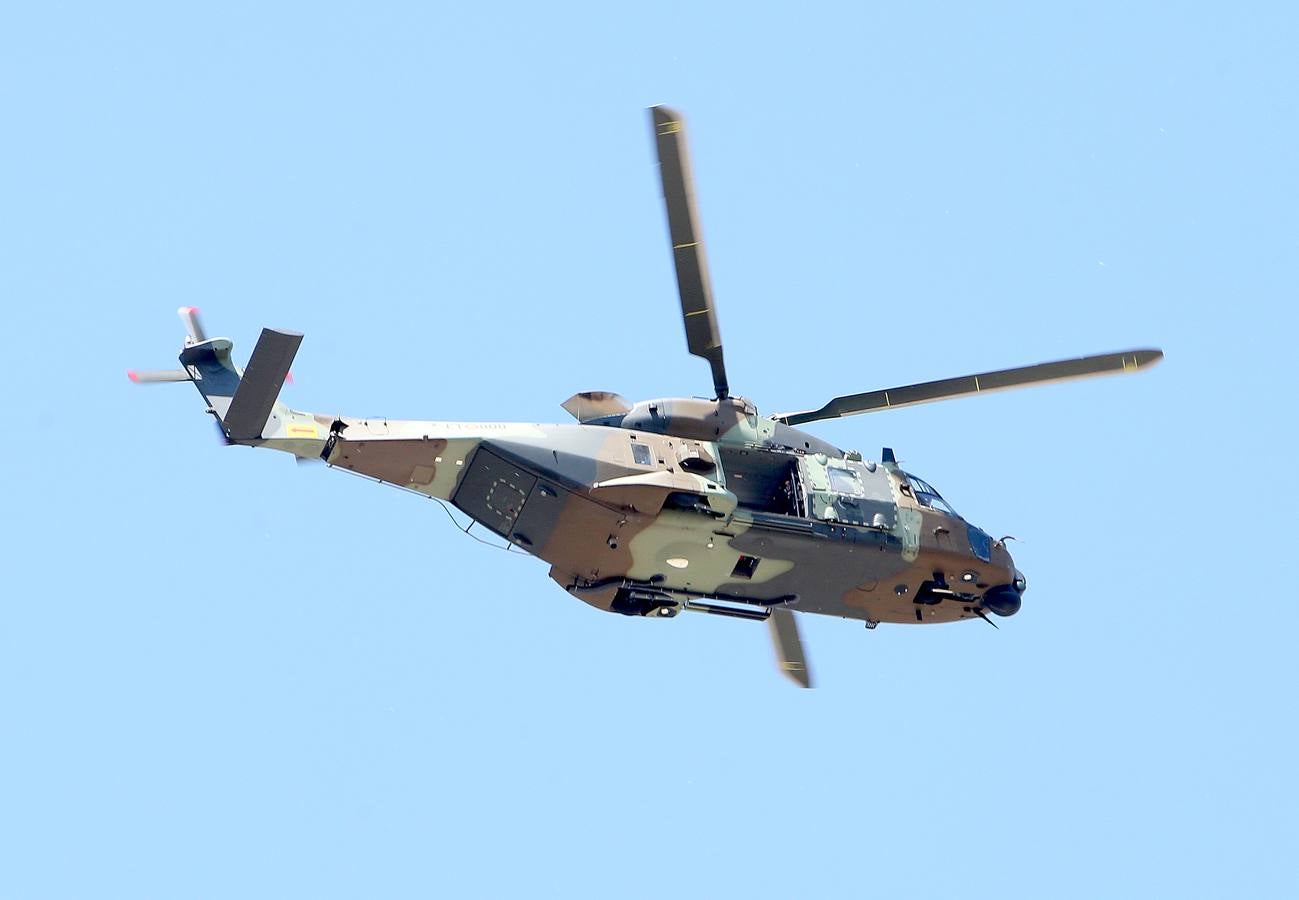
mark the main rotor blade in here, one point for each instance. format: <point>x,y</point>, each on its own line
<point>984,382</point>
<point>702,335</point>
<point>789,646</point>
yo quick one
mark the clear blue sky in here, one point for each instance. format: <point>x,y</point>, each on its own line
<point>225,676</point>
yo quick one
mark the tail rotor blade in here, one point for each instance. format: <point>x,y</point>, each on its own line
<point>193,327</point>
<point>789,646</point>
<point>984,382</point>
<point>157,376</point>
<point>702,334</point>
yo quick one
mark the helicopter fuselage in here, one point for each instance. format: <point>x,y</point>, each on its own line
<point>682,501</point>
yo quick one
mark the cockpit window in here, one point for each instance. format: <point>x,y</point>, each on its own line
<point>928,497</point>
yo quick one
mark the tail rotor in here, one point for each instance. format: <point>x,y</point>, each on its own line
<point>193,327</point>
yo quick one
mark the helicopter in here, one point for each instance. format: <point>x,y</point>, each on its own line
<point>658,507</point>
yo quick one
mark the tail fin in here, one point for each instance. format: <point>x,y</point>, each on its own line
<point>243,402</point>
<point>210,368</point>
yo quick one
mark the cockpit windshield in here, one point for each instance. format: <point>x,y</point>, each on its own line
<point>928,497</point>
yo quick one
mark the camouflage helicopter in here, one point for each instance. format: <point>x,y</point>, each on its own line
<point>651,508</point>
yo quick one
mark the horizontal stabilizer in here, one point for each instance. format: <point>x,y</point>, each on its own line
<point>260,386</point>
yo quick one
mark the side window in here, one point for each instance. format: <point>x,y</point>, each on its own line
<point>640,453</point>
<point>844,481</point>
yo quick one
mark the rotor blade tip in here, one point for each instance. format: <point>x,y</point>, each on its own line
<point>133,375</point>
<point>799,675</point>
<point>664,114</point>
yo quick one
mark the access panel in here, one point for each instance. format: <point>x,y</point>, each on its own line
<point>494,491</point>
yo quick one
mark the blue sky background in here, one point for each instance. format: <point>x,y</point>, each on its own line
<point>225,676</point>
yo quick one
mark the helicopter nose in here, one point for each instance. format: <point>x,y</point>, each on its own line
<point>1005,599</point>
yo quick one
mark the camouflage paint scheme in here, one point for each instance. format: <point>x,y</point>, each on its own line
<point>608,502</point>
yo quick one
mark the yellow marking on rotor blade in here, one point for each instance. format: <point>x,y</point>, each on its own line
<point>976,384</point>
<point>670,127</point>
<point>698,312</point>
<point>685,246</point>
<point>304,431</point>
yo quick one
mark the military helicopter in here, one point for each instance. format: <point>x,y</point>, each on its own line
<point>681,504</point>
